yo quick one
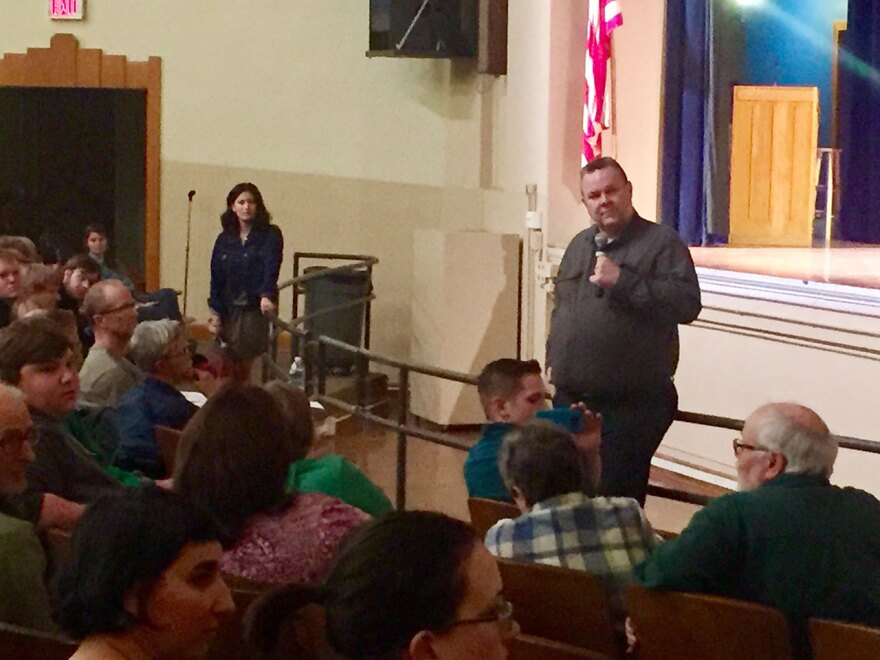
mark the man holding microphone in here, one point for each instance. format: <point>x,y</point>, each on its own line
<point>623,287</point>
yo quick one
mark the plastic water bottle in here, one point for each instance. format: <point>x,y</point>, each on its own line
<point>297,374</point>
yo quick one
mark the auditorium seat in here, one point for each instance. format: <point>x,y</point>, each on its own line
<point>527,647</point>
<point>677,625</point>
<point>559,604</point>
<point>485,513</point>
<point>834,640</point>
<point>167,439</point>
<point>24,644</point>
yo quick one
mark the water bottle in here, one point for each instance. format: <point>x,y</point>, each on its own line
<point>297,374</point>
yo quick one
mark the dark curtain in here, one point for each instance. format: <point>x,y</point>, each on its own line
<point>859,116</point>
<point>683,204</point>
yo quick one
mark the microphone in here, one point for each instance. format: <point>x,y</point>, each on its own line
<point>601,242</point>
<point>191,194</point>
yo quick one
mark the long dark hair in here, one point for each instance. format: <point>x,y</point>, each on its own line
<point>229,220</point>
<point>122,542</point>
<point>394,577</point>
<point>233,457</point>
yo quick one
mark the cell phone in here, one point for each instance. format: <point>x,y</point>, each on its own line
<point>571,419</point>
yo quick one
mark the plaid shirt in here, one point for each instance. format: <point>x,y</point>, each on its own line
<point>604,536</point>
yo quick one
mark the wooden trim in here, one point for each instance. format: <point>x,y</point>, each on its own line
<point>65,64</point>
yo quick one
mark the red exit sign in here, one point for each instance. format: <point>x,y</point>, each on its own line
<point>66,9</point>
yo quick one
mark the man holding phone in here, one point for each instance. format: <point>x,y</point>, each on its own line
<point>512,393</point>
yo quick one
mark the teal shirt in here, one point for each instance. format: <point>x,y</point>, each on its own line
<point>481,465</point>
<point>335,476</point>
<point>796,543</point>
<point>24,600</point>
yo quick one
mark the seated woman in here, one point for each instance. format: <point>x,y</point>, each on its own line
<point>331,474</point>
<point>159,304</point>
<point>143,579</point>
<point>232,460</point>
<point>160,350</point>
<point>414,584</point>
<point>39,290</point>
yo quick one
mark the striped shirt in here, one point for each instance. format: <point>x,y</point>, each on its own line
<point>604,536</point>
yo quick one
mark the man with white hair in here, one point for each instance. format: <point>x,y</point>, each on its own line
<point>789,540</point>
<point>160,350</point>
<point>106,374</point>
<point>23,597</point>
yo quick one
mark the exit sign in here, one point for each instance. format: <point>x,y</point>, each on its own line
<point>66,9</point>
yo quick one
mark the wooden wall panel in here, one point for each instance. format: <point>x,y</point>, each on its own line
<point>773,165</point>
<point>65,64</point>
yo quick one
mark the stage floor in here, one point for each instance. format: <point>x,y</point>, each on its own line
<point>850,265</point>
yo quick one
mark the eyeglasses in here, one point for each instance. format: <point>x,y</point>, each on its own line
<point>739,447</point>
<point>502,613</point>
<point>11,442</point>
<point>129,305</point>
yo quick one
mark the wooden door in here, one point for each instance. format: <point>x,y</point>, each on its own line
<point>773,165</point>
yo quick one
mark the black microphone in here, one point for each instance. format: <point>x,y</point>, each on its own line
<point>191,194</point>
<point>601,241</point>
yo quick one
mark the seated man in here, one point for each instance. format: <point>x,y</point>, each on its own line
<point>160,350</point>
<point>36,357</point>
<point>512,392</point>
<point>790,540</point>
<point>23,597</point>
<point>604,536</point>
<point>80,274</point>
<point>106,374</point>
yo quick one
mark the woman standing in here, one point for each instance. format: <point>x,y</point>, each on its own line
<point>244,277</point>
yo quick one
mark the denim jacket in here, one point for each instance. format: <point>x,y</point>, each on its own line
<point>243,273</point>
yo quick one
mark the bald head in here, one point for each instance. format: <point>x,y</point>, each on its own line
<point>16,452</point>
<point>796,432</point>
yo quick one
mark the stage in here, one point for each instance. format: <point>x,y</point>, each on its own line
<point>849,265</point>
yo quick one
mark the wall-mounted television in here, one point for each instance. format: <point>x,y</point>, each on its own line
<point>423,28</point>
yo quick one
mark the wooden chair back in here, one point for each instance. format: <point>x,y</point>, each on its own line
<point>832,640</point>
<point>559,604</point>
<point>230,639</point>
<point>485,513</point>
<point>527,647</point>
<point>168,438</point>
<point>681,625</point>
<point>26,644</point>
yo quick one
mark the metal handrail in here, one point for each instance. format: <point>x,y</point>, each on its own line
<point>316,345</point>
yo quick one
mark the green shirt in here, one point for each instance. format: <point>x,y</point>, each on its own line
<point>796,543</point>
<point>335,476</point>
<point>79,428</point>
<point>23,597</point>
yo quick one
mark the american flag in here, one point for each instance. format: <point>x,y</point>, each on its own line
<point>604,17</point>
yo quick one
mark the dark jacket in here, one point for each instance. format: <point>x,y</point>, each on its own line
<point>624,342</point>
<point>242,274</point>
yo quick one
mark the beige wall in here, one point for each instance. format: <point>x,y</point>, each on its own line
<point>352,153</point>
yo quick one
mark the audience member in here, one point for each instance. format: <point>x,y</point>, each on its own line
<point>159,304</point>
<point>39,290</point>
<point>36,356</point>
<point>143,580</point>
<point>24,600</point>
<point>232,460</point>
<point>789,540</point>
<point>512,392</point>
<point>106,374</point>
<point>604,536</point>
<point>10,281</point>
<point>160,350</point>
<point>330,474</point>
<point>80,273</point>
<point>412,584</point>
<point>26,252</point>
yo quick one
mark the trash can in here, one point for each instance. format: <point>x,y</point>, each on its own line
<point>346,324</point>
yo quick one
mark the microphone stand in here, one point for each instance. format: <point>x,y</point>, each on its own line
<point>189,206</point>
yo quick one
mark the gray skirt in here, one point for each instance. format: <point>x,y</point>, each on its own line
<point>245,333</point>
